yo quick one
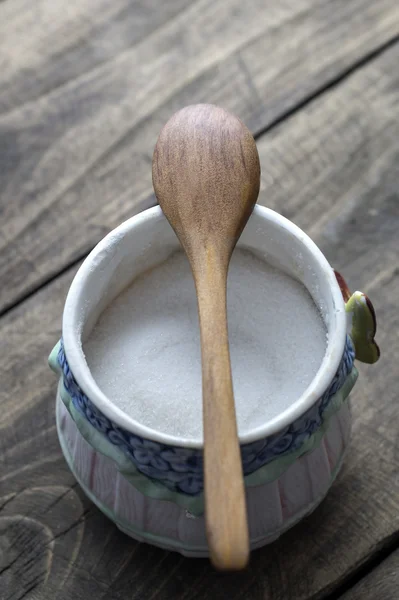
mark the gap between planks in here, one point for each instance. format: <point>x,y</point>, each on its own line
<point>387,549</point>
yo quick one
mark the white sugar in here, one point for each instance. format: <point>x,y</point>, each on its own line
<point>144,352</point>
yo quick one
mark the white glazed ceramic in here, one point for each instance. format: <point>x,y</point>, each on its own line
<point>150,483</point>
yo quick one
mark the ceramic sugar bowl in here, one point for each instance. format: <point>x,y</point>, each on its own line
<point>151,483</point>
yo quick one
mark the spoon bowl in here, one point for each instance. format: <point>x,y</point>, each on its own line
<point>206,177</point>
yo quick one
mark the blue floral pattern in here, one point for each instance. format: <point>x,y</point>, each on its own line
<point>181,469</point>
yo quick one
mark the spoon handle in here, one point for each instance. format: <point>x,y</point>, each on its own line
<point>225,507</point>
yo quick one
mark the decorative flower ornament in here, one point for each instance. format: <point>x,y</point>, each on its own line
<point>363,322</point>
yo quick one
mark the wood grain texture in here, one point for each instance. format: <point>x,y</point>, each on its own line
<point>381,584</point>
<point>44,47</point>
<point>335,166</point>
<point>84,93</point>
<point>206,177</point>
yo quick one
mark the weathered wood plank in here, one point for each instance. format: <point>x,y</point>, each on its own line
<point>75,161</point>
<point>338,158</point>
<point>327,167</point>
<point>42,46</point>
<point>381,584</point>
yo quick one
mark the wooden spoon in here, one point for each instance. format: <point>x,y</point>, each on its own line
<point>206,177</point>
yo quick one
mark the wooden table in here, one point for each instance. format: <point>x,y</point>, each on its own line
<point>85,87</point>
